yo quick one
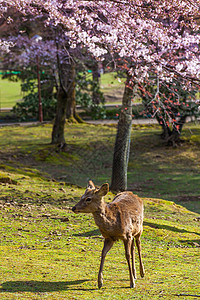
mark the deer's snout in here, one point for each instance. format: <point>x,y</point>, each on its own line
<point>74,208</point>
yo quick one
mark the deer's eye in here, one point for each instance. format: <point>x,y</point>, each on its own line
<point>88,199</point>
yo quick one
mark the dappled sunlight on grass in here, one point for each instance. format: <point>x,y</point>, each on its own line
<point>154,169</point>
<point>49,252</point>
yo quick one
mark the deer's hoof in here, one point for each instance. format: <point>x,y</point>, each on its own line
<point>132,285</point>
<point>142,273</point>
<point>100,284</point>
<point>100,281</point>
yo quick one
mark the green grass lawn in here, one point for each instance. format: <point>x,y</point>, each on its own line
<point>113,87</point>
<point>48,252</point>
<point>10,93</point>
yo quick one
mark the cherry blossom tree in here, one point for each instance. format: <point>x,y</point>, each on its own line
<point>53,53</point>
<point>171,103</point>
<point>156,36</point>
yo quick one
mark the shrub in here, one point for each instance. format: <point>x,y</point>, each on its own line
<point>28,108</point>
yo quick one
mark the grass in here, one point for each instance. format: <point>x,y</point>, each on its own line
<point>113,87</point>
<point>172,174</point>
<point>47,252</point>
<point>10,93</point>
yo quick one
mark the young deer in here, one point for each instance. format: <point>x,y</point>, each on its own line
<point>120,219</point>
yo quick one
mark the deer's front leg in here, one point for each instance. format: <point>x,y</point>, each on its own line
<point>107,246</point>
<point>127,245</point>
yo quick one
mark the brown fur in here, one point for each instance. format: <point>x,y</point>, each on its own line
<point>120,219</point>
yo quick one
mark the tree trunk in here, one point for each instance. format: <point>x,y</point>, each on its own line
<point>122,142</point>
<point>59,123</point>
<point>71,95</point>
<point>166,131</point>
<point>95,76</point>
<point>65,99</point>
<point>172,137</point>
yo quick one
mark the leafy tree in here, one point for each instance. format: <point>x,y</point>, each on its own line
<point>153,34</point>
<point>89,95</point>
<point>54,59</point>
<point>28,108</point>
<point>157,36</point>
<point>170,103</point>
<point>26,56</point>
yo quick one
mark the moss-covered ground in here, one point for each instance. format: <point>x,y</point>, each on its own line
<point>47,252</point>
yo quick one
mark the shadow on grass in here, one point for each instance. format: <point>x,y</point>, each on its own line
<point>194,243</point>
<point>40,286</point>
<point>96,233</point>
<point>167,227</point>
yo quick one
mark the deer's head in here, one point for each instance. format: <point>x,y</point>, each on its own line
<point>91,199</point>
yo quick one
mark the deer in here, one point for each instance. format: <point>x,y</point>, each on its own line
<point>121,219</point>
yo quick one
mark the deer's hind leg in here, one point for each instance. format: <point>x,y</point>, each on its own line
<point>133,258</point>
<point>128,245</point>
<point>138,243</point>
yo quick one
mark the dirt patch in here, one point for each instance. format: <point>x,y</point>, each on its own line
<point>8,180</point>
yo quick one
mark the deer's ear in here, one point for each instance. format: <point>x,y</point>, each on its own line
<point>91,185</point>
<point>104,189</point>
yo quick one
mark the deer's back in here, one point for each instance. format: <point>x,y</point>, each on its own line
<point>127,201</point>
<point>126,210</point>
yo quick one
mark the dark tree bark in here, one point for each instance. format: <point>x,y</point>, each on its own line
<point>71,96</point>
<point>172,136</point>
<point>47,88</point>
<point>65,100</point>
<point>59,123</point>
<point>95,76</point>
<point>122,142</point>
<point>166,131</point>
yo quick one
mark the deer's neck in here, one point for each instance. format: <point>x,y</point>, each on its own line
<point>103,216</point>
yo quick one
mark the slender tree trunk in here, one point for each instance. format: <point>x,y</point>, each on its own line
<point>59,123</point>
<point>122,142</point>
<point>65,99</point>
<point>47,88</point>
<point>71,95</point>
<point>95,76</point>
